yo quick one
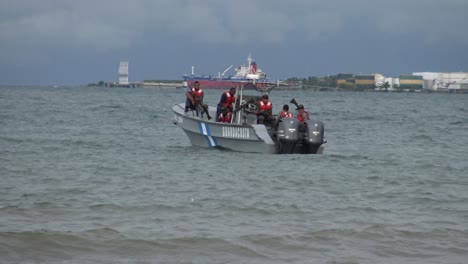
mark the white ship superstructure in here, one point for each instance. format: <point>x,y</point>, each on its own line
<point>250,71</point>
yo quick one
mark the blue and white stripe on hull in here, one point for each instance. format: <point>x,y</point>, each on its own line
<point>205,130</point>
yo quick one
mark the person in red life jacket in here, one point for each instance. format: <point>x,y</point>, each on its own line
<point>194,98</point>
<point>225,116</point>
<point>265,108</point>
<point>227,100</point>
<point>282,114</point>
<point>285,112</point>
<point>302,116</point>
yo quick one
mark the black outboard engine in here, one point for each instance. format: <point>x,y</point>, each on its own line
<point>313,136</point>
<point>303,139</point>
<point>288,135</point>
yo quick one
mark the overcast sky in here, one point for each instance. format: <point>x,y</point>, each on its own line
<point>72,42</point>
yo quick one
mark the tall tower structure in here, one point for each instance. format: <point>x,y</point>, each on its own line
<point>123,73</point>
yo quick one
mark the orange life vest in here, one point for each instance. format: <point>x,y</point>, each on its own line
<point>285,114</point>
<point>265,106</point>
<point>225,118</point>
<point>303,117</point>
<point>229,100</point>
<point>196,93</point>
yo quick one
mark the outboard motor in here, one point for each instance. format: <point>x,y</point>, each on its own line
<point>313,137</point>
<point>288,135</point>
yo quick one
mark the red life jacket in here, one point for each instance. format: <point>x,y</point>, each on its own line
<point>265,106</point>
<point>303,117</point>
<point>225,118</point>
<point>229,100</point>
<point>196,93</point>
<point>285,114</point>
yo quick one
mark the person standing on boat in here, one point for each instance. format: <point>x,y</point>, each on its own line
<point>194,98</point>
<point>227,100</point>
<point>265,109</point>
<point>225,116</point>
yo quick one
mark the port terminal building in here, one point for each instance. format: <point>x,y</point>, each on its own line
<point>434,81</point>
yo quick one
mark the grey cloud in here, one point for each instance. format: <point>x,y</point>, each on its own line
<point>33,30</point>
<point>116,24</point>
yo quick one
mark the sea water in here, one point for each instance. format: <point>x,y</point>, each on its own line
<point>101,175</point>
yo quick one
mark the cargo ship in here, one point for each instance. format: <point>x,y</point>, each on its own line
<point>244,74</point>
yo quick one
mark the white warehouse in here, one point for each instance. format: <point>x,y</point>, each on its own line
<point>450,81</point>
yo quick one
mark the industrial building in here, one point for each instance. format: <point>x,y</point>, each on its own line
<point>411,82</point>
<point>444,81</point>
<point>417,81</point>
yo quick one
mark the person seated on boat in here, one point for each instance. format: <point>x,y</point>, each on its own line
<point>285,112</point>
<point>194,98</point>
<point>225,116</point>
<point>302,116</point>
<point>282,114</point>
<point>265,108</point>
<point>227,100</point>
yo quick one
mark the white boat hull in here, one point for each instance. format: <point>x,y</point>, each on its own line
<point>207,133</point>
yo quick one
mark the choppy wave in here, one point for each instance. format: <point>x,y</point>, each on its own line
<point>106,245</point>
<point>109,246</point>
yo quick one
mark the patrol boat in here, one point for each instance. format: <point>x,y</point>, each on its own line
<point>244,134</point>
